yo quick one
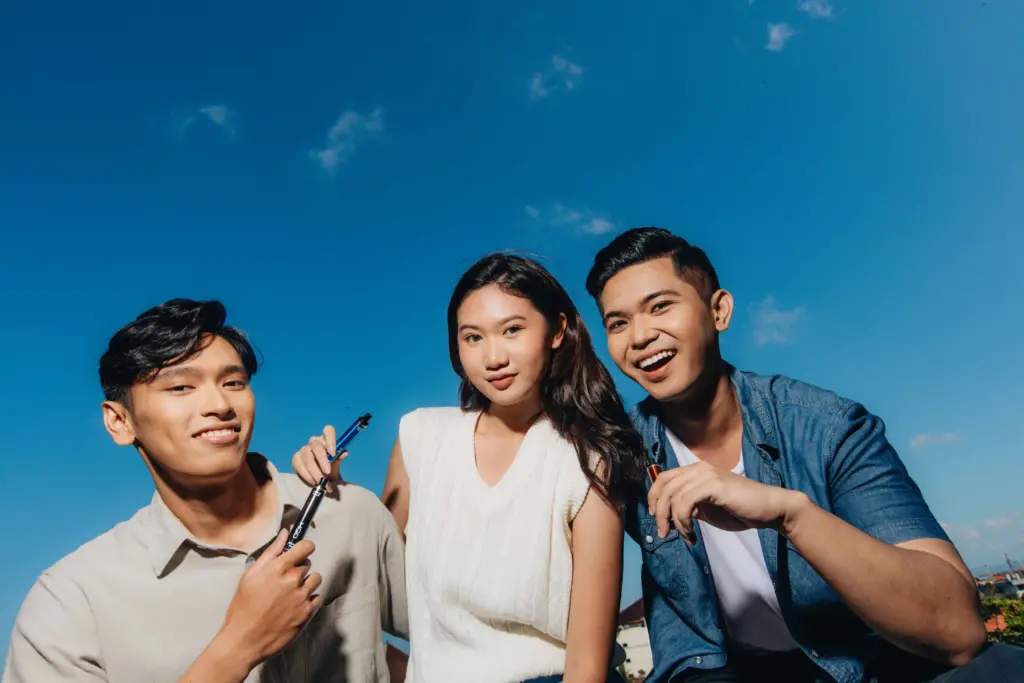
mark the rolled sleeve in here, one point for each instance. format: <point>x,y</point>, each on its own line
<point>54,638</point>
<point>869,485</point>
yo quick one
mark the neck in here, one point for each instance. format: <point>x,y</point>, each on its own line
<point>518,417</point>
<point>234,512</point>
<point>709,415</point>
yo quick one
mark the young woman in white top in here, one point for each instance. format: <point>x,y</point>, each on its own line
<point>511,502</point>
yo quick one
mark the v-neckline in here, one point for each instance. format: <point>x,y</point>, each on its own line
<point>520,466</point>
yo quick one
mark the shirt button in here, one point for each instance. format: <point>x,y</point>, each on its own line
<point>814,653</point>
<point>706,569</point>
<point>649,539</point>
<point>698,659</point>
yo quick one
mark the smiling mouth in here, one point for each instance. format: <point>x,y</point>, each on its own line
<point>219,435</point>
<point>655,362</point>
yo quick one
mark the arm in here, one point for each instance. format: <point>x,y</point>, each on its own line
<point>396,488</point>
<point>883,552</point>
<point>597,535</point>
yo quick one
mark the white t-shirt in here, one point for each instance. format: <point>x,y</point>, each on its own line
<point>746,595</point>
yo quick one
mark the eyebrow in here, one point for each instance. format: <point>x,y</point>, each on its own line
<point>500,322</point>
<point>646,300</point>
<point>172,373</point>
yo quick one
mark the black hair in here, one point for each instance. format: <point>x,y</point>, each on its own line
<point>640,245</point>
<point>163,336</point>
<point>577,392</point>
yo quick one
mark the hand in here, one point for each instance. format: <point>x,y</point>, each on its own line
<point>273,601</point>
<point>312,461</point>
<point>718,497</point>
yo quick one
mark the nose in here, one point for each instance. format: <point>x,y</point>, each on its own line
<point>215,402</point>
<point>643,333</point>
<point>495,356</point>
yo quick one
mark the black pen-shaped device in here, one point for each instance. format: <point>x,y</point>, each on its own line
<point>317,494</point>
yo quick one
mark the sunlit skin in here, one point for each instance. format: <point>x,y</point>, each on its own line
<point>192,424</point>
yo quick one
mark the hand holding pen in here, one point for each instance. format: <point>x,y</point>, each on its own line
<point>319,459</point>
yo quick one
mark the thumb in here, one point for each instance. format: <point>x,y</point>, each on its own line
<point>273,550</point>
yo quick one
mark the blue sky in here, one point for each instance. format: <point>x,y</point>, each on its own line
<point>853,170</point>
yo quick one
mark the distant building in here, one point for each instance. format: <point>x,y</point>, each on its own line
<point>632,635</point>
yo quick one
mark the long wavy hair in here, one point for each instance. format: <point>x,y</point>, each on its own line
<point>577,392</point>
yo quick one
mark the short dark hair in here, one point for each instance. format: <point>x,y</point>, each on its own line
<point>640,245</point>
<point>162,336</point>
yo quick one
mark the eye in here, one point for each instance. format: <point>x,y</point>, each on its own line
<point>511,331</point>
<point>179,388</point>
<point>661,305</point>
<point>470,338</point>
<point>615,324</point>
<point>236,384</point>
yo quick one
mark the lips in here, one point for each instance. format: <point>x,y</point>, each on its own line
<point>501,382</point>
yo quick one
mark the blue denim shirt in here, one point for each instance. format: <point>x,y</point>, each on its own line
<point>803,438</point>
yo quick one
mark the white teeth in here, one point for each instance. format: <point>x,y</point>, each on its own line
<point>648,362</point>
<point>216,432</point>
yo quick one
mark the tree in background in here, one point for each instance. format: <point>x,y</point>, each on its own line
<point>1012,613</point>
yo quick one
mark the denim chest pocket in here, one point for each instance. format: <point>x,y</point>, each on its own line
<point>664,558</point>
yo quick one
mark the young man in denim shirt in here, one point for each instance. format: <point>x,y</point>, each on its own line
<point>784,539</point>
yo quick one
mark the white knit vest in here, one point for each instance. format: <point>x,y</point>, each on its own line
<point>488,569</point>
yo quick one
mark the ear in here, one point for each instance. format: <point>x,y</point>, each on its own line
<point>721,309</point>
<point>556,341</point>
<point>118,421</point>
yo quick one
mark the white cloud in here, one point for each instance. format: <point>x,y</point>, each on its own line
<point>819,9</point>
<point>996,522</point>
<point>562,216</point>
<point>772,325</point>
<point>778,35</point>
<point>217,114</point>
<point>990,540</point>
<point>924,440</point>
<point>562,76</point>
<point>347,133</point>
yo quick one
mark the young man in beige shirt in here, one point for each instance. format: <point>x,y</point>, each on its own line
<point>196,587</point>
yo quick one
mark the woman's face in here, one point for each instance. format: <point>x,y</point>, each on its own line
<point>504,345</point>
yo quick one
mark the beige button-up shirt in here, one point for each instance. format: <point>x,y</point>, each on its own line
<point>141,602</point>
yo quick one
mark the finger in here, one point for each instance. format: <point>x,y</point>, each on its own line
<point>299,552</point>
<point>321,460</point>
<point>311,582</point>
<point>272,551</point>
<point>686,506</point>
<point>314,605</point>
<point>664,502</point>
<point>302,471</point>
<point>658,487</point>
<point>330,439</point>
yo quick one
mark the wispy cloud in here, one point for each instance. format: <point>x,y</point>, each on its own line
<point>924,440</point>
<point>216,114</point>
<point>348,132</point>
<point>819,9</point>
<point>562,76</point>
<point>778,36</point>
<point>773,325</point>
<point>989,540</point>
<point>562,216</point>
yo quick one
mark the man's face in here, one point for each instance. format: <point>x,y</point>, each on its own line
<point>194,420</point>
<point>660,329</point>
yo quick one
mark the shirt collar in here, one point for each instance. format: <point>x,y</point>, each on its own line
<point>167,540</point>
